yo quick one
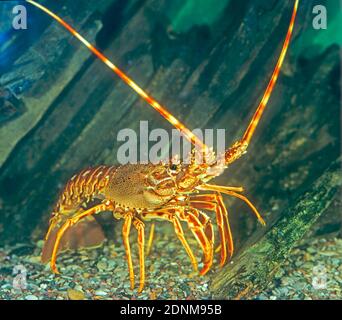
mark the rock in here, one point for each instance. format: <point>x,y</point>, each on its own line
<point>31,297</point>
<point>307,257</point>
<point>101,292</point>
<point>328,253</point>
<point>153,295</point>
<point>75,294</point>
<point>232,282</point>
<point>111,265</point>
<point>78,287</point>
<point>22,250</point>
<point>40,244</point>
<point>5,271</point>
<point>35,259</point>
<point>102,265</point>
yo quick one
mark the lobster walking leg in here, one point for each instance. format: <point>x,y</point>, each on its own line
<point>204,203</point>
<point>125,233</point>
<point>140,226</point>
<point>52,225</point>
<point>169,215</point>
<point>150,239</point>
<point>180,234</point>
<point>214,202</point>
<point>70,222</point>
<point>201,227</point>
<point>228,230</point>
<point>227,190</point>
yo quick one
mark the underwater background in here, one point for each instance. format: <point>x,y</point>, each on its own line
<point>209,62</point>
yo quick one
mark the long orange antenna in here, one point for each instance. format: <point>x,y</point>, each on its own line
<point>150,100</point>
<point>262,105</point>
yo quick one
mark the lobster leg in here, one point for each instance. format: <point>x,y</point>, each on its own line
<point>180,234</point>
<point>70,222</point>
<point>150,239</point>
<point>52,224</point>
<point>200,225</point>
<point>125,233</point>
<point>229,191</point>
<point>169,215</point>
<point>139,225</point>
<point>215,203</point>
<point>228,230</point>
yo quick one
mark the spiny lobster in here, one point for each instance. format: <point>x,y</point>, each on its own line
<point>138,192</point>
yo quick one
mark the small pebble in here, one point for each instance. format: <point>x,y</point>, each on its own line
<point>40,244</point>
<point>102,265</point>
<point>35,259</point>
<point>75,294</point>
<point>101,293</point>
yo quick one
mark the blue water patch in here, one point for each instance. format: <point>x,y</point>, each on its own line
<point>186,14</point>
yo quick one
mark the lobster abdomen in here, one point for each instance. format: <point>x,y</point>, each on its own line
<point>85,186</point>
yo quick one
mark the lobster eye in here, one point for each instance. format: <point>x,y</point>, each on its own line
<point>173,167</point>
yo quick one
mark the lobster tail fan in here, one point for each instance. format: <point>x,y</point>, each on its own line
<point>87,233</point>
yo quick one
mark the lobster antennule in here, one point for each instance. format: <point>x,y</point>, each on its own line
<point>149,99</point>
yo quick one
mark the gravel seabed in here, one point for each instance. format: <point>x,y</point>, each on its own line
<point>313,271</point>
<point>102,273</point>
